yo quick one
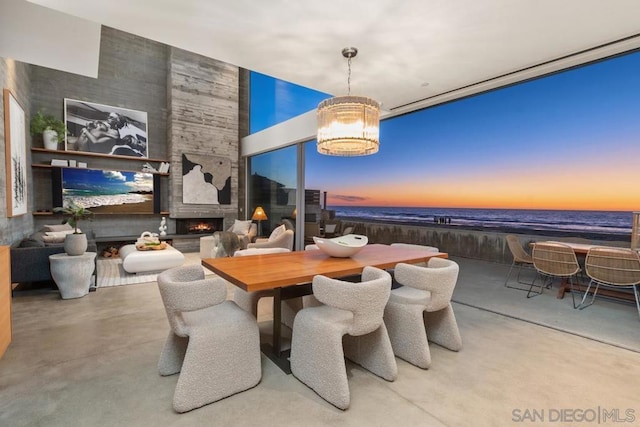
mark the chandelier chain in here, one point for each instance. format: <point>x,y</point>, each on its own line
<point>349,77</point>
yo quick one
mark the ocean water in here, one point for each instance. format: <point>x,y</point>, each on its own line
<point>605,222</point>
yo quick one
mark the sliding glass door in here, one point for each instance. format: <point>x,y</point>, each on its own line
<point>272,184</point>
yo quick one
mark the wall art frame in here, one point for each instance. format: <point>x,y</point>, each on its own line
<point>104,129</point>
<point>15,133</point>
<point>206,180</point>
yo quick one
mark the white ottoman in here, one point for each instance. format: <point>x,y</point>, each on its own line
<point>135,261</point>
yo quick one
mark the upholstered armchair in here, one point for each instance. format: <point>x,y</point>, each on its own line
<point>331,228</point>
<point>420,310</point>
<point>212,343</point>
<point>284,239</point>
<point>352,311</point>
<point>246,231</point>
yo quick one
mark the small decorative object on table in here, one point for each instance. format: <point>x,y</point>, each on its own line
<point>59,162</point>
<point>149,241</point>
<point>164,167</point>
<point>148,168</point>
<point>163,227</point>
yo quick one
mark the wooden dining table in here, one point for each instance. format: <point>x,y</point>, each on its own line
<point>289,275</point>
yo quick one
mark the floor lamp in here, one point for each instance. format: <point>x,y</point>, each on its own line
<point>259,215</point>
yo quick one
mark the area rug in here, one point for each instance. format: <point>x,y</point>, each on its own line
<point>111,273</point>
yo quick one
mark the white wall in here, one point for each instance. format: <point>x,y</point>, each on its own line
<point>40,36</point>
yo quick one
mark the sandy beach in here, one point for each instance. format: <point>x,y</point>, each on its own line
<point>135,208</point>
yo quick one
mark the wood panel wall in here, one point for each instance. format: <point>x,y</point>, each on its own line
<point>5,299</point>
<point>202,118</point>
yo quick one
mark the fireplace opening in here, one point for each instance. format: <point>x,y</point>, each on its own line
<point>198,225</point>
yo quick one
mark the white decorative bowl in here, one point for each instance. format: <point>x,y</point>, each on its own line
<point>343,246</point>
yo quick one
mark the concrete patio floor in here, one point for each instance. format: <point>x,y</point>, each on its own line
<point>92,362</point>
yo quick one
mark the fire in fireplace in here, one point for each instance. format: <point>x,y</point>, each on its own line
<point>198,225</point>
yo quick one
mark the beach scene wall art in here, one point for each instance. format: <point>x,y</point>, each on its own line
<point>206,180</point>
<point>108,191</point>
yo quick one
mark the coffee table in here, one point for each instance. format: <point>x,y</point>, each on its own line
<point>135,261</point>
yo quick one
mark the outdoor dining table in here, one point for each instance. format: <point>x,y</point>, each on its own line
<point>582,249</point>
<point>289,275</point>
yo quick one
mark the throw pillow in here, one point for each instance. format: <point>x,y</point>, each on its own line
<point>277,232</point>
<point>54,239</point>
<point>241,227</point>
<point>57,227</point>
<point>32,243</point>
<point>59,233</point>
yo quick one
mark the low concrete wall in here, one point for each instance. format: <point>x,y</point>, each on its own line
<point>485,245</point>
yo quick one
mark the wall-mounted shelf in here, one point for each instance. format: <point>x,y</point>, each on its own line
<point>50,180</point>
<point>42,165</point>
<point>87,154</point>
<point>50,213</point>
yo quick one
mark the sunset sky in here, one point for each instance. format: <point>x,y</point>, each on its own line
<point>568,141</point>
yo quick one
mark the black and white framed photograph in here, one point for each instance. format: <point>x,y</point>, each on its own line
<point>15,129</point>
<point>99,128</point>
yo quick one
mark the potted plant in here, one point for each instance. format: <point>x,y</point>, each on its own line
<point>52,130</point>
<point>75,243</point>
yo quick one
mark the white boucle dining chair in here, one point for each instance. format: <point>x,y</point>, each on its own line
<point>349,323</point>
<point>420,310</point>
<point>212,343</point>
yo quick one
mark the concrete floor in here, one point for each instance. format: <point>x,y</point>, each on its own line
<point>92,362</point>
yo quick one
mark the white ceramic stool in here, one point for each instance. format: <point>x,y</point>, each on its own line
<point>72,274</point>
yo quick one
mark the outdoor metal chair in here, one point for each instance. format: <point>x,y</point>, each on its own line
<point>520,259</point>
<point>551,260</point>
<point>619,268</point>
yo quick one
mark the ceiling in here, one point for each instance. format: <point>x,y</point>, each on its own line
<point>409,50</point>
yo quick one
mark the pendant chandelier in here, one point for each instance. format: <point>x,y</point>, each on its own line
<point>348,125</point>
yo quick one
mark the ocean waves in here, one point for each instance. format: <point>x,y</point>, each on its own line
<point>607,222</point>
<point>108,200</point>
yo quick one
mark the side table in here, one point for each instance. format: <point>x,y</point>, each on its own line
<point>72,274</point>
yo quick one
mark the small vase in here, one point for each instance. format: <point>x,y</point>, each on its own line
<point>75,244</point>
<point>50,139</point>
